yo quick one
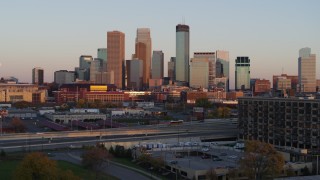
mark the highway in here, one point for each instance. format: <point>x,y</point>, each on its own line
<point>51,140</point>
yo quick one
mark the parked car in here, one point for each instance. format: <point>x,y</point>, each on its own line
<point>179,156</point>
<point>173,162</point>
<point>223,154</point>
<point>205,156</point>
<point>216,159</point>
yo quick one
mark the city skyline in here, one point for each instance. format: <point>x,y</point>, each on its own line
<point>273,35</point>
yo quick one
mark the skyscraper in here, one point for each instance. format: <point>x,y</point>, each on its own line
<point>211,58</point>
<point>37,76</point>
<point>64,77</point>
<point>157,65</point>
<point>115,56</point>
<point>96,68</point>
<point>144,52</point>
<point>83,72</point>
<point>307,70</point>
<point>140,53</point>
<point>171,69</point>
<point>222,65</point>
<point>199,73</point>
<point>102,54</point>
<point>182,53</point>
<point>134,74</point>
<point>242,73</point>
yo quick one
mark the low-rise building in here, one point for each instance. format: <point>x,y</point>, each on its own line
<point>67,117</point>
<point>22,92</point>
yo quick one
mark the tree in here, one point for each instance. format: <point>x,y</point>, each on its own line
<point>290,171</point>
<point>306,171</point>
<point>22,104</point>
<point>2,154</point>
<point>157,163</point>
<point>111,150</point>
<point>211,174</point>
<point>96,159</point>
<point>119,151</point>
<point>144,159</point>
<point>67,175</point>
<point>223,112</point>
<point>203,102</point>
<point>261,160</point>
<point>18,125</point>
<point>36,165</point>
<point>233,174</point>
<point>81,103</point>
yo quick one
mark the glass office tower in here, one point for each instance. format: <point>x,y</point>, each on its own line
<point>182,53</point>
<point>242,73</point>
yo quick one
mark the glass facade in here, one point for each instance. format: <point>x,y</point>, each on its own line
<point>242,73</point>
<point>199,73</point>
<point>157,65</point>
<point>307,70</point>
<point>182,53</point>
<point>222,67</point>
<point>134,74</point>
<point>102,54</point>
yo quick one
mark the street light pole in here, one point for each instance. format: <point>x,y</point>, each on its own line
<point>1,126</point>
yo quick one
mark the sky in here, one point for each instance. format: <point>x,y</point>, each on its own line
<point>54,34</point>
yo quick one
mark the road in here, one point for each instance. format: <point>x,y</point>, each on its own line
<point>110,168</point>
<point>39,141</point>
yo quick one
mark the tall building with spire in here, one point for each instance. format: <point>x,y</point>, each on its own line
<point>182,53</point>
<point>307,71</point>
<point>143,52</point>
<point>115,57</point>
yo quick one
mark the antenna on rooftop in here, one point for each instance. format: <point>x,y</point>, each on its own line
<point>282,70</point>
<point>183,20</point>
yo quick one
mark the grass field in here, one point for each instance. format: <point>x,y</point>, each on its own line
<point>7,169</point>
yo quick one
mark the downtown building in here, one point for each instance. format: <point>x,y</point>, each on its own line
<point>285,84</point>
<point>289,122</point>
<point>134,69</point>
<point>37,76</point>
<point>115,58</point>
<point>222,67</point>
<point>307,71</point>
<point>64,77</point>
<point>171,69</point>
<point>157,65</point>
<point>242,73</point>
<point>143,49</point>
<point>202,70</point>
<point>182,53</point>
<point>83,71</point>
<point>89,93</point>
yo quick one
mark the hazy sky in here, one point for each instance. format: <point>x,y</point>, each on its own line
<point>53,34</point>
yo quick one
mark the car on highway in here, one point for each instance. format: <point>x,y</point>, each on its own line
<point>205,149</point>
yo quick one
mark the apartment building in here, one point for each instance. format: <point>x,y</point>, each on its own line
<point>291,122</point>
